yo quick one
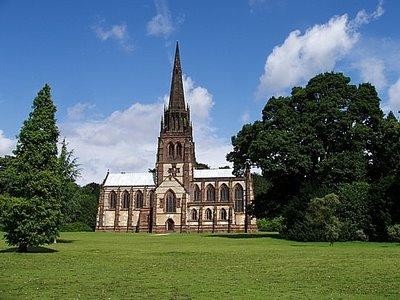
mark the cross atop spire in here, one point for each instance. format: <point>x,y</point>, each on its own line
<point>176,97</point>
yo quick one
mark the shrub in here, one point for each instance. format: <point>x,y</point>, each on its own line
<point>76,227</point>
<point>319,223</point>
<point>275,224</point>
<point>394,233</point>
<point>353,210</point>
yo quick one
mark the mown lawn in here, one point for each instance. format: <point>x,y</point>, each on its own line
<point>192,266</point>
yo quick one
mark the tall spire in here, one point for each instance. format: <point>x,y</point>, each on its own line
<point>176,97</point>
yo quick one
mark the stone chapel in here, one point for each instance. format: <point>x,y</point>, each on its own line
<point>177,197</point>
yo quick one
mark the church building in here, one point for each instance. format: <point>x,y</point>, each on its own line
<point>177,197</point>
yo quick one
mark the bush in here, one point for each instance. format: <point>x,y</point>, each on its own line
<point>275,224</point>
<point>319,223</point>
<point>76,227</point>
<point>394,233</point>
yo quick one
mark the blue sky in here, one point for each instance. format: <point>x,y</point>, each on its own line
<point>109,66</point>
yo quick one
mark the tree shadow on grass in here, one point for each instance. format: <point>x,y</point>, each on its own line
<point>30,250</point>
<point>273,235</point>
<point>64,241</point>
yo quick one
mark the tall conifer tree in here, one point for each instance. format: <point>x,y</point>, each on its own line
<point>31,215</point>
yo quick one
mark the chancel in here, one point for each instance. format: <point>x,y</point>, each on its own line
<point>177,196</point>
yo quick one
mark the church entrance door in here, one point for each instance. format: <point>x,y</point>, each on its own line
<point>170,224</point>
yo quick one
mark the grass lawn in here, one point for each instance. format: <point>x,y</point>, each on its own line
<point>192,266</point>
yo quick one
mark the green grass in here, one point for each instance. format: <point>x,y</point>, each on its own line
<point>192,266</point>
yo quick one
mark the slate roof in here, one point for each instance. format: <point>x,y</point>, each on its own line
<point>130,179</point>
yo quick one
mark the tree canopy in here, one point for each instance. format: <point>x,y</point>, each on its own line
<point>310,143</point>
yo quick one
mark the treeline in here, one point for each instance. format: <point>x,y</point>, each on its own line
<point>38,193</point>
<point>330,161</point>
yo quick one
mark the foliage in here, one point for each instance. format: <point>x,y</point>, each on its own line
<point>271,225</point>
<point>394,233</point>
<point>76,227</point>
<point>353,210</point>
<point>201,166</point>
<point>29,222</point>
<point>31,215</point>
<point>80,204</point>
<point>322,137</point>
<point>320,221</point>
<point>68,164</point>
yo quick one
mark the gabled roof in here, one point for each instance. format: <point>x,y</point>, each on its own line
<point>130,179</point>
<point>213,173</point>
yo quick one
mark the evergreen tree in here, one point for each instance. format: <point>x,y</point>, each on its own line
<point>68,164</point>
<point>31,213</point>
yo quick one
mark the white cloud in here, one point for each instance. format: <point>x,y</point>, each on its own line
<point>394,97</point>
<point>79,110</point>
<point>317,50</point>
<point>118,33</point>
<point>363,17</point>
<point>161,24</point>
<point>127,140</point>
<point>6,144</point>
<point>372,70</point>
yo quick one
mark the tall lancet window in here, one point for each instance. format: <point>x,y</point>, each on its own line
<point>210,193</point>
<point>224,193</point>
<point>139,199</point>
<point>113,200</point>
<point>170,202</point>
<point>178,150</point>
<point>171,150</point>
<point>239,203</point>
<point>125,203</point>
<point>197,193</point>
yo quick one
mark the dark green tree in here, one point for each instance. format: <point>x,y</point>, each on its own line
<point>68,164</point>
<point>324,135</point>
<point>31,214</point>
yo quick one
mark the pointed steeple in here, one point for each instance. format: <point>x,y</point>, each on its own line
<point>176,97</point>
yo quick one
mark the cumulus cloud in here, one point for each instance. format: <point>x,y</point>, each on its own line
<point>118,33</point>
<point>6,144</point>
<point>394,97</point>
<point>161,24</point>
<point>317,50</point>
<point>372,70</point>
<point>126,140</point>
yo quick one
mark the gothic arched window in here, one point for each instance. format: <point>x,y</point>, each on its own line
<point>197,193</point>
<point>224,193</point>
<point>171,150</point>
<point>125,203</point>
<point>239,204</point>
<point>113,200</point>
<point>194,214</point>
<point>210,193</point>
<point>170,202</point>
<point>178,150</point>
<point>208,214</point>
<point>223,214</point>
<point>139,199</point>
<point>152,199</point>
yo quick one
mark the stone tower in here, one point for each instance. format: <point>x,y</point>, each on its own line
<point>175,154</point>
